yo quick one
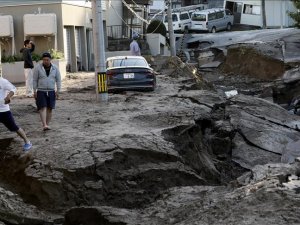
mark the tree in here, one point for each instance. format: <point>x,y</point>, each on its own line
<point>296,15</point>
<point>156,26</point>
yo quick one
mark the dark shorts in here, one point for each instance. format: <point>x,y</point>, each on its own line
<point>45,99</point>
<point>8,120</point>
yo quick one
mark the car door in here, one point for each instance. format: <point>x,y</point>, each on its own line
<point>221,20</point>
<point>185,21</point>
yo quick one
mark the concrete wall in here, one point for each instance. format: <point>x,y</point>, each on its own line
<point>276,13</point>
<point>116,53</point>
<point>114,12</point>
<point>14,72</point>
<point>42,43</point>
<point>66,14</point>
<point>156,44</point>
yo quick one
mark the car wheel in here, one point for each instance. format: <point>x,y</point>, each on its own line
<point>229,26</point>
<point>213,30</point>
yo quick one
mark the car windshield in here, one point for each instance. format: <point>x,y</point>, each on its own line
<point>198,17</point>
<point>126,62</point>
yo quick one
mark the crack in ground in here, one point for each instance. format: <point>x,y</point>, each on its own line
<point>193,100</point>
<point>274,122</point>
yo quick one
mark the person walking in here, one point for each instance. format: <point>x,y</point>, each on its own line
<point>28,66</point>
<point>134,46</point>
<point>45,77</point>
<point>7,90</point>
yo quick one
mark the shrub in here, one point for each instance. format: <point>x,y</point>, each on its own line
<point>11,58</point>
<point>296,15</point>
<point>36,57</point>
<point>157,26</point>
<point>56,54</point>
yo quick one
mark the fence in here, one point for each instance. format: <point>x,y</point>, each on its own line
<point>117,32</point>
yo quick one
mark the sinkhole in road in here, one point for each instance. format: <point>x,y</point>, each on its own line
<point>131,178</point>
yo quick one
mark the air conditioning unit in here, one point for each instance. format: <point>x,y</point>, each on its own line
<point>40,24</point>
<point>7,26</point>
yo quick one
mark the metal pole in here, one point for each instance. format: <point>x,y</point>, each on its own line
<point>264,17</point>
<point>170,29</point>
<point>99,51</point>
<point>281,16</point>
<point>0,60</point>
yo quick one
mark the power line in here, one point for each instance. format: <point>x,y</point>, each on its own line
<point>137,15</point>
<point>128,24</point>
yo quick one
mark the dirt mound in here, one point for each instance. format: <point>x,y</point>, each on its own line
<point>175,68</point>
<point>247,60</point>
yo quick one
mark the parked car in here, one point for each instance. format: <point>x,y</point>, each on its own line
<point>181,21</point>
<point>212,20</point>
<point>129,73</point>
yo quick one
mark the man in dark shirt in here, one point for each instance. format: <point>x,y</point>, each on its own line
<point>28,66</point>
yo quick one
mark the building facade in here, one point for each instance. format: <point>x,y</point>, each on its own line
<point>65,26</point>
<point>249,12</point>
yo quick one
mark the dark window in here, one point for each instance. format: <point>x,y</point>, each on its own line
<point>126,62</point>
<point>251,9</point>
<point>199,17</point>
<point>220,15</point>
<point>184,16</point>
<point>174,18</point>
<point>211,16</point>
<point>228,12</point>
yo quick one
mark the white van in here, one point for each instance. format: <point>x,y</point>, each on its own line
<point>211,20</point>
<point>181,21</point>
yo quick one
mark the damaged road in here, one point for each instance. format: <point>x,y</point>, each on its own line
<point>183,154</point>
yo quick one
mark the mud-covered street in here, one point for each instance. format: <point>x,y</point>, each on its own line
<point>183,154</point>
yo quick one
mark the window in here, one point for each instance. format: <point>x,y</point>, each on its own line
<point>251,9</point>
<point>199,17</point>
<point>211,16</point>
<point>126,62</point>
<point>174,18</point>
<point>220,15</point>
<point>184,16</point>
<point>228,12</point>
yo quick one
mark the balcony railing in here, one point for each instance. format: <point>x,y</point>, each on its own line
<point>118,32</point>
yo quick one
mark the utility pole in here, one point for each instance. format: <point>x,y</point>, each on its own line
<point>99,51</point>
<point>0,60</point>
<point>281,16</point>
<point>264,17</point>
<point>170,28</point>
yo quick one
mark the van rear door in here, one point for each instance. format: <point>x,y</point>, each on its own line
<point>198,21</point>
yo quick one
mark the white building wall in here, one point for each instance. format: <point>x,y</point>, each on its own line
<point>114,12</point>
<point>254,20</point>
<point>276,13</point>
<point>156,44</point>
